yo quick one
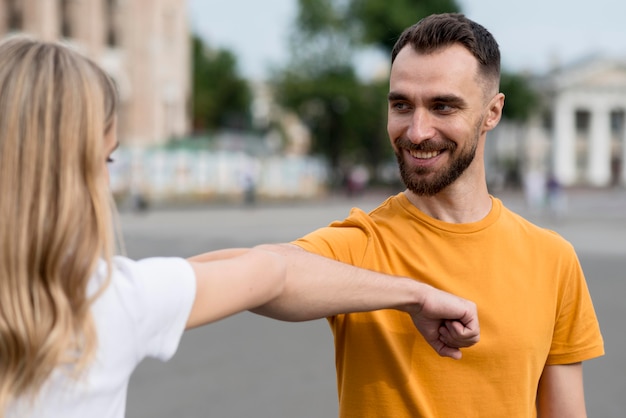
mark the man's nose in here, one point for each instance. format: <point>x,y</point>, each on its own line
<point>421,127</point>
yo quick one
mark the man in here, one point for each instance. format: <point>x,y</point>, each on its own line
<point>537,320</point>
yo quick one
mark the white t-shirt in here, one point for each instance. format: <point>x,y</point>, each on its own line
<point>142,313</point>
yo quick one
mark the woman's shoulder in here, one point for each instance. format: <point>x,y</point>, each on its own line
<point>128,273</point>
<point>136,288</point>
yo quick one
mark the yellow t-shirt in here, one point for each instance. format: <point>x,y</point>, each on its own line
<point>533,304</point>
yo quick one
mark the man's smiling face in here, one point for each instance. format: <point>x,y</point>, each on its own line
<point>435,116</point>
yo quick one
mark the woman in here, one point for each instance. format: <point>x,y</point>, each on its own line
<point>74,320</point>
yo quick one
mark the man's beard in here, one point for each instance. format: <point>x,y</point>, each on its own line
<point>416,180</point>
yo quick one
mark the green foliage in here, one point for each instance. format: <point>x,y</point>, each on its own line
<point>345,115</point>
<point>381,22</point>
<point>317,16</point>
<point>520,98</point>
<point>324,104</point>
<point>370,123</point>
<point>220,97</point>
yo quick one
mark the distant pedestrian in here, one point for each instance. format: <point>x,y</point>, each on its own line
<point>556,197</point>
<point>535,191</point>
<point>358,178</point>
<point>248,183</point>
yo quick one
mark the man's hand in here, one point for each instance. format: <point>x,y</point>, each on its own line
<point>447,322</point>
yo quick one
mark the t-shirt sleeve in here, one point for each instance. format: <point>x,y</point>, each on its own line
<point>158,295</point>
<point>344,241</point>
<point>577,335</point>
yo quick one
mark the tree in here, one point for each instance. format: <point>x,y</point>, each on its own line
<point>324,104</point>
<point>220,97</point>
<point>521,99</point>
<point>379,23</point>
<point>346,115</point>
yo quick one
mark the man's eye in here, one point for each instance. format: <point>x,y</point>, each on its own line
<point>110,160</point>
<point>441,107</point>
<point>400,106</point>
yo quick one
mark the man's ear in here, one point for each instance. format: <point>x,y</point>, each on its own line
<point>494,111</point>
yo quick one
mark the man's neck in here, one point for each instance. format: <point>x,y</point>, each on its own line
<point>456,205</point>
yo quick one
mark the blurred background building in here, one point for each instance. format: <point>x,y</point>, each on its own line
<point>143,44</point>
<point>574,134</point>
<point>146,46</point>
<point>586,104</point>
<point>191,126</point>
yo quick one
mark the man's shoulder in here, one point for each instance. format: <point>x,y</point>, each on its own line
<point>348,239</point>
<point>384,212</point>
<point>531,230</point>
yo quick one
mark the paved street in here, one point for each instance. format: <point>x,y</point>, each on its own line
<point>251,366</point>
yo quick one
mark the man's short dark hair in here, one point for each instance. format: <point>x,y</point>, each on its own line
<point>441,30</point>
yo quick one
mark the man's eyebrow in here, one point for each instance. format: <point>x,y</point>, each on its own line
<point>449,99</point>
<point>392,96</point>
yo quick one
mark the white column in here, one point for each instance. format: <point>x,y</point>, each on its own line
<point>564,151</point>
<point>599,161</point>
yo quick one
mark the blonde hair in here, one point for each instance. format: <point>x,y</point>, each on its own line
<point>55,212</point>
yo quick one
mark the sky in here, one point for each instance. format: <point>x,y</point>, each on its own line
<point>533,34</point>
